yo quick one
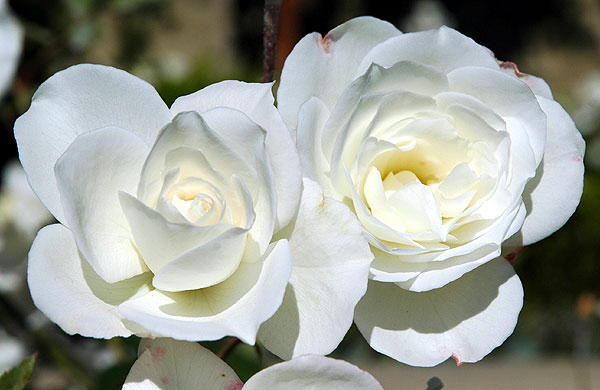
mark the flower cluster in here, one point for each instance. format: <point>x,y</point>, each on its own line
<point>382,190</point>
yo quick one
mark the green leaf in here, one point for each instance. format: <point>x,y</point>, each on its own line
<point>17,377</point>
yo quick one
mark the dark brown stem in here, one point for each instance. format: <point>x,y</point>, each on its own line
<point>271,17</point>
<point>231,344</point>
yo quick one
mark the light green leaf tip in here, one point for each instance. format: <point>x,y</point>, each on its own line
<point>17,377</point>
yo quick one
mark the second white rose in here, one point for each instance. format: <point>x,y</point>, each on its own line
<point>444,154</point>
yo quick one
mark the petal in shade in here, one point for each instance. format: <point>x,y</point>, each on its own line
<point>311,121</point>
<point>312,372</point>
<point>89,175</point>
<point>553,194</point>
<point>465,319</point>
<point>330,61</point>
<point>331,259</point>
<point>77,100</point>
<point>256,101</point>
<point>165,364</point>
<point>65,288</point>
<point>235,307</point>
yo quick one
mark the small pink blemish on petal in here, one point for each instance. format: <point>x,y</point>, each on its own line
<point>457,360</point>
<point>235,384</point>
<point>157,353</point>
<point>325,43</point>
<point>577,159</point>
<point>511,67</point>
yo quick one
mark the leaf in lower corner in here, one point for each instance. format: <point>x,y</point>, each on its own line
<point>17,377</point>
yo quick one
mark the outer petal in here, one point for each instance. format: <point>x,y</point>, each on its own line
<point>11,43</point>
<point>331,259</point>
<point>89,176</point>
<point>553,194</point>
<point>77,100</point>
<point>165,364</point>
<point>443,48</point>
<point>65,288</point>
<point>466,319</point>
<point>256,101</point>
<point>235,307</point>
<point>324,66</point>
<point>313,373</point>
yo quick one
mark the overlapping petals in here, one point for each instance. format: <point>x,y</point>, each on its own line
<point>443,154</point>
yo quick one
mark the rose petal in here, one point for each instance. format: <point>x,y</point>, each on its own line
<point>185,256</point>
<point>406,86</point>
<point>438,268</point>
<point>507,96</point>
<point>311,121</point>
<point>332,60</point>
<point>235,307</point>
<point>234,145</point>
<point>189,130</point>
<point>552,196</point>
<point>77,100</point>
<point>313,373</point>
<point>331,259</point>
<point>166,364</point>
<point>256,101</point>
<point>90,174</point>
<point>466,319</point>
<point>206,265</point>
<point>444,48</point>
<point>66,289</point>
<point>247,139</point>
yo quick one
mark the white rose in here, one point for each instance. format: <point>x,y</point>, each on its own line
<point>166,215</point>
<point>168,364</point>
<point>11,44</point>
<point>443,153</point>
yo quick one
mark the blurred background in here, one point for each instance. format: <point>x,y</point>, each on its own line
<point>181,46</point>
